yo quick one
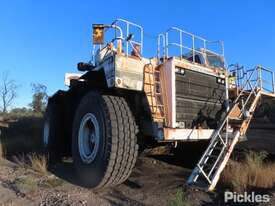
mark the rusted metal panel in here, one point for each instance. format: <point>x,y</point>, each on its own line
<point>199,99</point>
<point>168,87</point>
<point>198,88</point>
<point>129,72</point>
<point>171,134</point>
<point>198,67</point>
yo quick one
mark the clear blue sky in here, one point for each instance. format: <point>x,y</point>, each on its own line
<point>41,40</point>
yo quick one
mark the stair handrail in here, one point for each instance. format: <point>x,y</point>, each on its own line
<point>161,47</point>
<point>239,72</point>
<point>234,103</point>
<point>247,82</point>
<point>218,135</point>
<point>268,71</point>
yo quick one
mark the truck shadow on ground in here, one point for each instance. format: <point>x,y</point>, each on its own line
<point>151,181</point>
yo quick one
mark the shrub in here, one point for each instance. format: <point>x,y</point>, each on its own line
<point>179,199</point>
<point>251,173</point>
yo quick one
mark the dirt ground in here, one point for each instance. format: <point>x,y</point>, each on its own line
<point>154,181</point>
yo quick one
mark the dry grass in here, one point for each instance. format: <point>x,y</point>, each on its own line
<point>20,161</point>
<point>251,173</point>
<point>34,162</point>
<point>26,184</point>
<point>160,150</point>
<point>2,152</point>
<point>34,173</point>
<point>39,163</point>
<point>51,182</point>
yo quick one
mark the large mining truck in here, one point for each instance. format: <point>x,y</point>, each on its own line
<point>122,99</point>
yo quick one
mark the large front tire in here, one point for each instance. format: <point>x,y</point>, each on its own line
<point>104,144</point>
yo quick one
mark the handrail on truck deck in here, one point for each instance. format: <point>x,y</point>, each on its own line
<point>182,45</point>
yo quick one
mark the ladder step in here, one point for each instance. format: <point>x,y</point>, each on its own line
<point>154,94</point>
<point>214,156</point>
<point>218,148</point>
<point>235,123</point>
<point>152,72</point>
<point>235,120</point>
<point>156,106</point>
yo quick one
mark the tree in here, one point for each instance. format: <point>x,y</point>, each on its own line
<point>39,97</point>
<point>20,112</point>
<point>8,91</point>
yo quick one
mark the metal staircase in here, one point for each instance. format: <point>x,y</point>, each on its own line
<point>235,124</point>
<point>153,91</point>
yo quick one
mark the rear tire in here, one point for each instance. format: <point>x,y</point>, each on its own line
<point>104,144</point>
<point>271,116</point>
<point>52,134</point>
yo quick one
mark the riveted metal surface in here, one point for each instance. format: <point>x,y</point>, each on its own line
<point>197,93</point>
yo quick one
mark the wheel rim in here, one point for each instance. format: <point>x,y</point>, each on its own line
<point>46,133</point>
<point>88,138</point>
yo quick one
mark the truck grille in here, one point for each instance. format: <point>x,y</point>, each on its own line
<point>199,98</point>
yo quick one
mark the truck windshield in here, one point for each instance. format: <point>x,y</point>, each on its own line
<point>215,61</point>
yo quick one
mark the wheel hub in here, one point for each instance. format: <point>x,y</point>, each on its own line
<point>46,133</point>
<point>88,138</point>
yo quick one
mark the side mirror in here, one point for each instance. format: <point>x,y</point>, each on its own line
<point>98,33</point>
<point>81,66</point>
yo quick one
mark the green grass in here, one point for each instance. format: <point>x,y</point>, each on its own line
<point>51,182</point>
<point>179,199</point>
<point>27,184</point>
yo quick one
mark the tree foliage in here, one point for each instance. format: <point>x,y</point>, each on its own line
<point>39,97</point>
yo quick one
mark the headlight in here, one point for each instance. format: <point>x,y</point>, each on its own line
<point>220,81</point>
<point>179,70</point>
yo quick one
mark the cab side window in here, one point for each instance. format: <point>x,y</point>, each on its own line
<point>197,59</point>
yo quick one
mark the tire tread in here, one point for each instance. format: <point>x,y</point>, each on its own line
<point>122,141</point>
